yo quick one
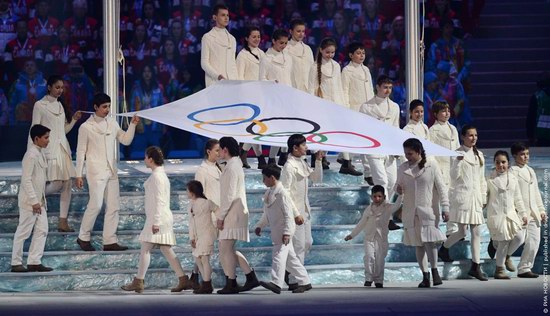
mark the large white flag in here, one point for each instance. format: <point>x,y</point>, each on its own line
<point>267,113</point>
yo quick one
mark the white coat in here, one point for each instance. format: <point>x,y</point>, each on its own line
<point>382,109</point>
<point>468,190</point>
<point>357,85</point>
<point>331,82</point>
<point>50,113</point>
<point>277,66</point>
<point>208,174</point>
<point>529,188</point>
<point>33,180</point>
<point>97,144</point>
<point>418,129</point>
<point>374,221</point>
<point>295,178</point>
<point>218,50</point>
<point>446,135</point>
<point>505,208</point>
<point>248,66</point>
<point>278,213</point>
<point>233,208</point>
<point>302,58</point>
<point>201,227</point>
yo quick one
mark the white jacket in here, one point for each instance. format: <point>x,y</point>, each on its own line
<point>97,144</point>
<point>33,179</point>
<point>218,49</point>
<point>302,58</point>
<point>201,227</point>
<point>357,85</point>
<point>505,207</point>
<point>331,82</point>
<point>446,135</point>
<point>418,186</point>
<point>418,129</point>
<point>529,188</point>
<point>233,208</point>
<point>277,66</point>
<point>248,66</point>
<point>278,213</point>
<point>208,174</point>
<point>382,109</point>
<point>374,221</point>
<point>295,178</point>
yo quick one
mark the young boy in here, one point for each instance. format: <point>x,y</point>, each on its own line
<point>374,224</point>
<point>444,134</point>
<point>529,188</point>
<point>97,142</point>
<point>295,177</point>
<point>32,205</point>
<point>218,49</point>
<point>279,215</point>
<point>302,55</point>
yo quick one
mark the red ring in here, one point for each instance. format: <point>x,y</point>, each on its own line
<point>375,142</point>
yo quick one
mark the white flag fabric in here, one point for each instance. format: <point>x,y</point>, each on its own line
<point>267,113</point>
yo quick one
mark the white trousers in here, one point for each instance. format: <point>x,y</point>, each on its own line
<point>375,259</point>
<point>63,186</point>
<point>284,258</point>
<point>257,148</point>
<point>302,242</point>
<point>101,189</point>
<point>38,226</point>
<point>532,241</point>
<point>384,172</point>
<point>507,247</point>
<point>366,166</point>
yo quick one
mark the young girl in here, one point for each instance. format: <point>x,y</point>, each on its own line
<point>416,180</point>
<point>468,195</point>
<point>248,68</point>
<point>416,124</point>
<point>157,230</point>
<point>505,212</point>
<point>302,55</point>
<point>202,233</point>
<point>51,113</point>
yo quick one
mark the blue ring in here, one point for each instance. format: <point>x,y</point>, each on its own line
<point>254,108</point>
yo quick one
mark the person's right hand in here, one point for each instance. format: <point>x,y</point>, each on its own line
<point>221,77</point>
<point>193,243</point>
<point>348,237</point>
<point>258,231</point>
<point>299,220</point>
<point>79,182</point>
<point>37,209</point>
<point>399,189</point>
<point>319,155</point>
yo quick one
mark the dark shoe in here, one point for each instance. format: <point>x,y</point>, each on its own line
<point>369,181</point>
<point>379,285</point>
<point>282,159</point>
<point>205,288</point>
<point>293,286</point>
<point>491,250</point>
<point>443,254</point>
<point>393,226</point>
<point>509,264</point>
<point>287,274</point>
<point>312,163</point>
<point>475,271</point>
<point>367,283</point>
<point>348,168</point>
<point>114,247</point>
<point>271,161</point>
<point>326,163</point>
<point>85,245</point>
<point>243,156</point>
<point>19,268</point>
<point>340,161</point>
<point>230,287</point>
<point>193,282</point>
<point>251,282</point>
<point>527,275</point>
<point>500,274</point>
<point>183,284</point>
<point>38,268</point>
<point>302,288</point>
<point>425,280</point>
<point>136,285</point>
<point>261,162</point>
<point>271,286</point>
<point>436,278</point>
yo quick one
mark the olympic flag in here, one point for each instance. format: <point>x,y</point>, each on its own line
<point>265,112</point>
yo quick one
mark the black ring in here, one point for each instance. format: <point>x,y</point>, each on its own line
<point>316,127</point>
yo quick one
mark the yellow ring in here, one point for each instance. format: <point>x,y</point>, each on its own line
<point>263,127</point>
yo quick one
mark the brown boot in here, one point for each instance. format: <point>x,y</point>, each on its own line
<point>500,274</point>
<point>63,226</point>
<point>183,284</point>
<point>509,264</point>
<point>193,283</point>
<point>475,271</point>
<point>205,288</point>
<point>137,285</point>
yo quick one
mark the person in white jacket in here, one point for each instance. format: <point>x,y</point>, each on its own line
<point>51,113</point>
<point>295,178</point>
<point>97,142</point>
<point>302,55</point>
<point>444,134</point>
<point>158,228</point>
<point>506,214</point>
<point>417,179</point>
<point>468,196</point>
<point>202,233</point>
<point>218,49</point>
<point>532,200</point>
<point>374,223</point>
<point>232,219</point>
<point>276,66</point>
<point>31,200</point>
<point>248,67</point>
<point>279,215</point>
<point>416,124</point>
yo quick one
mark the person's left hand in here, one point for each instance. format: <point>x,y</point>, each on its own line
<point>286,239</point>
<point>543,218</point>
<point>156,229</point>
<point>135,120</point>
<point>77,116</point>
<point>445,217</point>
<point>219,224</point>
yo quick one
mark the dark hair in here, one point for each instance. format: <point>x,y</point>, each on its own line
<point>415,145</point>
<point>518,147</point>
<point>196,188</point>
<point>209,145</point>
<point>247,34</point>
<point>294,23</point>
<point>68,111</point>
<point>38,130</point>
<point>414,104</point>
<point>153,84</point>
<point>444,22</point>
<point>378,188</point>
<point>272,170</point>
<point>156,154</point>
<point>100,98</point>
<point>231,144</point>
<point>463,132</point>
<point>501,153</point>
<point>219,7</point>
<point>326,42</point>
<point>295,140</point>
<point>383,79</point>
<point>440,105</point>
<point>53,79</point>
<point>278,34</point>
<point>353,46</point>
